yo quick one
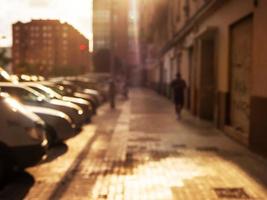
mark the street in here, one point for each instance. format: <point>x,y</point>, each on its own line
<point>140,151</point>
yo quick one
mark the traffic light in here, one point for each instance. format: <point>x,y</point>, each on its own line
<point>83,47</point>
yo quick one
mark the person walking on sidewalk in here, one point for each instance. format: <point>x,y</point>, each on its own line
<point>178,86</point>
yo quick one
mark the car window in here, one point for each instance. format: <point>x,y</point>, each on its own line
<point>56,89</point>
<point>20,93</point>
<point>41,91</point>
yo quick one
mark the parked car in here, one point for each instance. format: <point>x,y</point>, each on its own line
<point>71,92</point>
<point>30,97</point>
<point>78,89</point>
<point>4,76</point>
<point>23,141</point>
<point>59,125</point>
<point>50,93</point>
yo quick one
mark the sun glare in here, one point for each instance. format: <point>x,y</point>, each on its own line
<point>78,13</point>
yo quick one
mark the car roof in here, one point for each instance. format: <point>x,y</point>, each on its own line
<point>10,84</point>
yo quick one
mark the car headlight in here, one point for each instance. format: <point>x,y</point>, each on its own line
<point>37,133</point>
<point>44,143</point>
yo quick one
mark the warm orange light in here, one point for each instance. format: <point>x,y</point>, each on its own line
<point>83,47</point>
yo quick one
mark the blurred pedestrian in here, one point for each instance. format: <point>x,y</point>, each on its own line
<point>126,89</point>
<point>178,86</point>
<point>112,94</point>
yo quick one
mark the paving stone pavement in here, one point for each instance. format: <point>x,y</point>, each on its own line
<point>141,152</point>
<point>151,156</point>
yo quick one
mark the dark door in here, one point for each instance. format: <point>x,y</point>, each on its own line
<point>207,79</point>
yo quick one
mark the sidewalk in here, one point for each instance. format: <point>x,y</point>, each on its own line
<point>149,155</point>
<point>189,159</point>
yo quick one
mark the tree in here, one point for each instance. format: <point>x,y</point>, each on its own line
<point>4,60</point>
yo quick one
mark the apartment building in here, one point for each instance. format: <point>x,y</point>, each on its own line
<point>49,47</point>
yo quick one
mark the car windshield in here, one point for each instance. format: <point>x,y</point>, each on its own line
<point>31,96</point>
<point>57,89</point>
<point>18,107</point>
<point>46,91</point>
<point>23,93</point>
<point>36,93</point>
<point>68,88</point>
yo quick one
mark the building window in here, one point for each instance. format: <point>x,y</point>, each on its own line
<point>102,16</point>
<point>64,35</point>
<point>100,43</point>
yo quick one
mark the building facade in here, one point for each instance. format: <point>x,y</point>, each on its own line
<point>110,30</point>
<point>49,47</point>
<point>219,47</point>
<point>101,24</point>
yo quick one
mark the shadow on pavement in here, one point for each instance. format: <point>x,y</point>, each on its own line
<point>17,186</point>
<point>59,190</point>
<point>253,167</point>
<point>103,128</point>
<point>55,152</point>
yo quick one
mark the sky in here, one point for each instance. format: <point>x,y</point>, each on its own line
<point>78,13</point>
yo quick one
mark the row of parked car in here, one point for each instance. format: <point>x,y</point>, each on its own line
<point>37,114</point>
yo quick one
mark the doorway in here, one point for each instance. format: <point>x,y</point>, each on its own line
<point>207,87</point>
<point>240,68</point>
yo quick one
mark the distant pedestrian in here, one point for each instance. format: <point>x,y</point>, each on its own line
<point>126,89</point>
<point>112,94</point>
<point>178,86</point>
